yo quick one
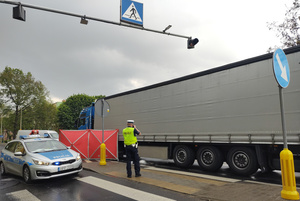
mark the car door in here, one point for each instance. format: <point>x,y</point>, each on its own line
<point>19,160</point>
<point>8,155</point>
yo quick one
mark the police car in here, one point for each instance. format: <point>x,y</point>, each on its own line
<point>38,158</point>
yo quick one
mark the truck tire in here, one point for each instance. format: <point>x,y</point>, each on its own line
<point>183,156</point>
<point>242,161</point>
<point>210,158</point>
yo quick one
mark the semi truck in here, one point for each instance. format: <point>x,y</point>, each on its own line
<point>226,114</point>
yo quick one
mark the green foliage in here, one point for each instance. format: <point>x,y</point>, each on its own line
<point>288,30</point>
<point>41,116</point>
<point>23,94</point>
<point>69,111</point>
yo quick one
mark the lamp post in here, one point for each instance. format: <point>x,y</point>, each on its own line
<point>21,120</point>
<point>1,127</point>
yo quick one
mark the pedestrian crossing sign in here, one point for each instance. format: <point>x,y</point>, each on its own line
<point>132,12</point>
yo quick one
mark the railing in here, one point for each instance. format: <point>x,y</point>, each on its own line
<point>247,137</point>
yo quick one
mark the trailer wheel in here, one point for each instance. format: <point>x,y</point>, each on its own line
<point>210,158</point>
<point>183,156</point>
<point>242,161</point>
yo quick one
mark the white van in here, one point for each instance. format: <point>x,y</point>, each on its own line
<point>52,134</point>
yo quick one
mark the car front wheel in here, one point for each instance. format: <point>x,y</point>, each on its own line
<point>26,174</point>
<point>2,168</point>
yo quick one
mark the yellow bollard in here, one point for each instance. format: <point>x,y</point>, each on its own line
<point>288,175</point>
<point>102,154</point>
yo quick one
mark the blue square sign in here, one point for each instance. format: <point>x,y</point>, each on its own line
<point>132,12</point>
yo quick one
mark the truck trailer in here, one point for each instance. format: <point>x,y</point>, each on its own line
<point>226,114</point>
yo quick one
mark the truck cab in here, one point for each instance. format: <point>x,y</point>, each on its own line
<point>86,118</point>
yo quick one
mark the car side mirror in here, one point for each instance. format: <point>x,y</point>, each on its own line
<point>19,154</point>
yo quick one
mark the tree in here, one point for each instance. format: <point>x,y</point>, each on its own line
<point>69,110</point>
<point>42,115</point>
<point>20,91</point>
<point>4,110</point>
<point>288,30</point>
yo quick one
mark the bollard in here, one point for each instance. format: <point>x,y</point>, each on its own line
<point>288,175</point>
<point>102,154</point>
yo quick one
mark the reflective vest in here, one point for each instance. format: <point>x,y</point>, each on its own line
<point>129,138</point>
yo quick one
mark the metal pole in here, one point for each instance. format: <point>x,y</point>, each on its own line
<point>1,128</point>
<point>282,117</point>
<point>102,146</point>
<point>102,114</point>
<point>21,120</point>
<point>1,123</point>
<point>92,18</point>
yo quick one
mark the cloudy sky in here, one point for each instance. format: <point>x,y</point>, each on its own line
<point>103,59</point>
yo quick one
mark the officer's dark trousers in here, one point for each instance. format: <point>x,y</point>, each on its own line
<point>132,155</point>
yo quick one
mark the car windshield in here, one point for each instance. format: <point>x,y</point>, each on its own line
<point>44,146</point>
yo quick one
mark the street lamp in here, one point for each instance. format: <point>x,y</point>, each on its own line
<point>19,13</point>
<point>168,27</point>
<point>84,21</point>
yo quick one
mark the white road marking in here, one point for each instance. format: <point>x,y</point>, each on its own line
<point>122,190</point>
<point>195,175</point>
<point>23,195</point>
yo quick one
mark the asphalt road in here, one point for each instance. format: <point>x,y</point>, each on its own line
<point>93,186</point>
<point>85,186</point>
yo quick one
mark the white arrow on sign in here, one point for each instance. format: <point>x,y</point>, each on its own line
<point>282,68</point>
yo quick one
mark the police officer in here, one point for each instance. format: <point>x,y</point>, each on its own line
<point>131,147</point>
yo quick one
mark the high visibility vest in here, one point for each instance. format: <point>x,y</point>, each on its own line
<point>128,134</point>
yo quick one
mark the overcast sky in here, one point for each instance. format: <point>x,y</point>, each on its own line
<point>103,59</point>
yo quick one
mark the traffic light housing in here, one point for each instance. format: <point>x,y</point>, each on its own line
<point>19,13</point>
<point>192,42</point>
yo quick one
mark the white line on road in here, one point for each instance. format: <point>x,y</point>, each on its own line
<point>122,190</point>
<point>195,175</point>
<point>23,195</point>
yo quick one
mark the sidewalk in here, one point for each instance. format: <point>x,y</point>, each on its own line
<point>197,185</point>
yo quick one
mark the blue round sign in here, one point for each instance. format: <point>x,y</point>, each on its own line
<point>281,68</point>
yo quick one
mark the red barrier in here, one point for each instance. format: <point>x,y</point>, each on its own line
<point>87,142</point>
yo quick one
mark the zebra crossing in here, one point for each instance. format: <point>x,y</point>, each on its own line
<point>121,190</point>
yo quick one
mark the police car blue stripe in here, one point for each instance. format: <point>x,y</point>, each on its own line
<point>57,154</point>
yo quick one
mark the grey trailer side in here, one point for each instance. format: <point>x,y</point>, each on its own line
<point>230,113</point>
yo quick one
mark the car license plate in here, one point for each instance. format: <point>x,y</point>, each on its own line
<point>63,168</point>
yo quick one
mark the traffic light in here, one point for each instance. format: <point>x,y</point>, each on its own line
<point>192,42</point>
<point>19,13</point>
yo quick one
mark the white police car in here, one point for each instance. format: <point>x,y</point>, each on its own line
<point>38,158</point>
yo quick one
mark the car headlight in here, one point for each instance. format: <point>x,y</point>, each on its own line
<point>39,162</point>
<point>78,157</point>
